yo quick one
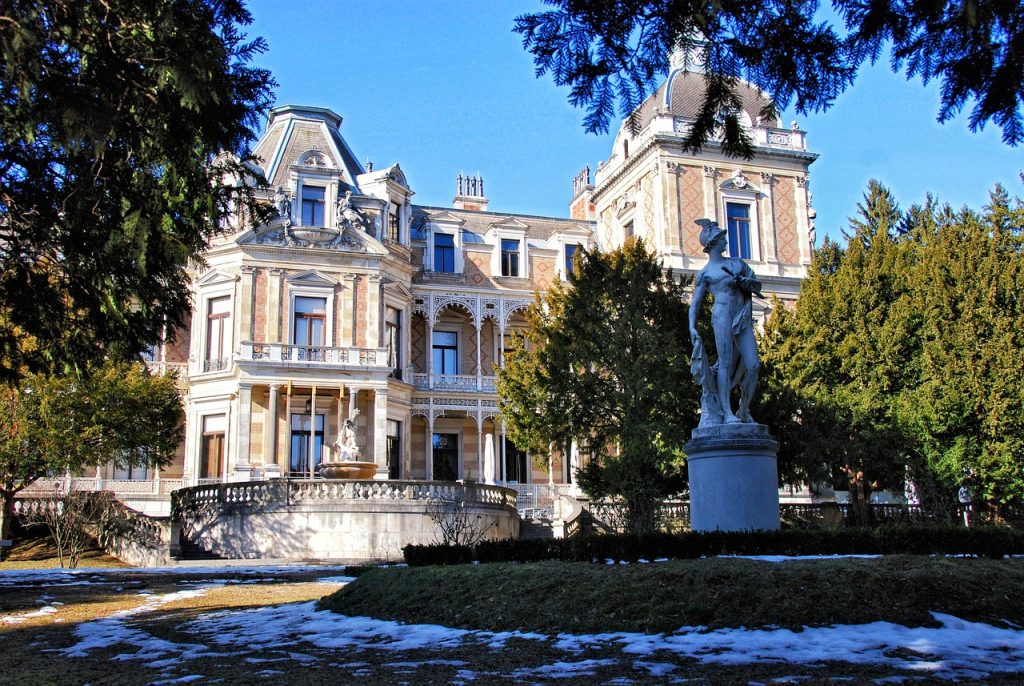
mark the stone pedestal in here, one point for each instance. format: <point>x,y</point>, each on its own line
<point>733,478</point>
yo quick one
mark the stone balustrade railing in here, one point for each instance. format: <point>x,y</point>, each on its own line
<point>289,492</point>
<point>279,353</point>
<point>122,488</point>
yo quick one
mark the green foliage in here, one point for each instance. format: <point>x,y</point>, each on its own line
<point>966,412</point>
<point>904,354</point>
<point>982,541</point>
<point>610,51</point>
<point>119,413</point>
<point>113,116</point>
<point>840,361</point>
<point>605,362</point>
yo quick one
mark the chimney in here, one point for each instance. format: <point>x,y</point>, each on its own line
<point>470,194</point>
<point>581,207</point>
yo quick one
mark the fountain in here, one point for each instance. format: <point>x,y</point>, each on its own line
<point>348,465</point>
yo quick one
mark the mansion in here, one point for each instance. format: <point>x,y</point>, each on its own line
<point>354,302</point>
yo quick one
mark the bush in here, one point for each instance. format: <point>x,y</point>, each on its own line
<point>982,541</point>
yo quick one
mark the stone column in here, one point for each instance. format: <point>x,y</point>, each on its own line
<point>429,457</point>
<point>380,432</point>
<point>271,469</point>
<point>245,328</point>
<point>243,470</point>
<point>274,307</point>
<point>373,318</point>
<point>771,251</point>
<point>347,326</point>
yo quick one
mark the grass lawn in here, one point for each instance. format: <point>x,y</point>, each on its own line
<point>554,597</point>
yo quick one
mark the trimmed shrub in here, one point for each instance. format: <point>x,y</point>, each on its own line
<point>982,541</point>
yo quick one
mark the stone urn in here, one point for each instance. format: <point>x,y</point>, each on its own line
<point>348,469</point>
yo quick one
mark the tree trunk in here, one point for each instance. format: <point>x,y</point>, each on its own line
<point>6,520</point>
<point>860,503</point>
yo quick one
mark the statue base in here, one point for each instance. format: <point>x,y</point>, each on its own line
<point>734,482</point>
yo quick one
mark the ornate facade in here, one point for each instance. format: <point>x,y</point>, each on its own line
<point>355,303</point>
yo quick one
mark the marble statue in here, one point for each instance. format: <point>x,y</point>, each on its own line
<point>345,446</point>
<point>283,204</point>
<point>732,283</point>
<point>346,215</point>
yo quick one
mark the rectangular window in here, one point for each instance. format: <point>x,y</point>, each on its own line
<point>218,333</point>
<point>446,457</point>
<point>444,253</point>
<point>446,352</point>
<point>570,253</point>
<point>628,229</point>
<point>516,463</point>
<point>134,472</point>
<point>211,451</point>
<point>299,463</point>
<point>313,205</point>
<point>393,228</point>
<point>394,449</point>
<point>509,257</point>
<point>308,329</point>
<point>738,217</point>
<point>393,333</point>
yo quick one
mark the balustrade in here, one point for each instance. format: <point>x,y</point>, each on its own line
<point>280,353</point>
<point>455,382</point>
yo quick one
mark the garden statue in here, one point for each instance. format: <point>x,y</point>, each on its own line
<point>731,282</point>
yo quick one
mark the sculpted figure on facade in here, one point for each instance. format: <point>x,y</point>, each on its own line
<point>731,283</point>
<point>283,204</point>
<point>345,447</point>
<point>346,215</point>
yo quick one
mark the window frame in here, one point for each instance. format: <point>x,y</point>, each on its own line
<point>212,436</point>
<point>457,348</point>
<point>305,290</point>
<point>437,248</point>
<point>313,205</point>
<point>741,222</point>
<point>510,258</point>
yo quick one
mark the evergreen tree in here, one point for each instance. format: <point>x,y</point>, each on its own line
<point>842,360</point>
<point>968,410</point>
<point>113,118</point>
<point>605,363</point>
<point>609,51</point>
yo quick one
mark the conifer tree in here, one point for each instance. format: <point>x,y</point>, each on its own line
<point>968,410</point>
<point>605,362</point>
<point>847,353</point>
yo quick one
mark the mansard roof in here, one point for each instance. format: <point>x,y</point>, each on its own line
<point>682,95</point>
<point>293,132</point>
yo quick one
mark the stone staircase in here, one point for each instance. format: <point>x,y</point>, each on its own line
<point>537,526</point>
<point>191,551</point>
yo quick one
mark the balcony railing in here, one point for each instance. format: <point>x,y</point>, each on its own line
<point>279,353</point>
<point>455,382</point>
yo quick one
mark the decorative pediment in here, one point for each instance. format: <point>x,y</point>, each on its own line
<point>314,158</point>
<point>739,182</point>
<point>443,217</point>
<point>311,277</point>
<point>509,224</point>
<point>398,288</point>
<point>396,174</point>
<point>214,277</point>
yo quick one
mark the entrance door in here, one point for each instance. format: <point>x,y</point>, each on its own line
<point>299,463</point>
<point>446,457</point>
<point>516,463</point>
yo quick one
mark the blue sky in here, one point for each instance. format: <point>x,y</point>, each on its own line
<point>446,87</point>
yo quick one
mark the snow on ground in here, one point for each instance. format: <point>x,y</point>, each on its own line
<point>87,575</point>
<point>955,649</point>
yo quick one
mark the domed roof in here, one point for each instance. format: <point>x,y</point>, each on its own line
<point>682,95</point>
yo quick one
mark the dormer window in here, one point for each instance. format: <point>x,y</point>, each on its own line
<point>444,253</point>
<point>313,201</point>
<point>394,226</point>
<point>509,257</point>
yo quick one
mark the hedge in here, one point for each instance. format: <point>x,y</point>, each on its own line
<point>982,541</point>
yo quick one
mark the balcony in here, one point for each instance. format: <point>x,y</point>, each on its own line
<point>287,355</point>
<point>464,383</point>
